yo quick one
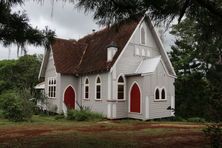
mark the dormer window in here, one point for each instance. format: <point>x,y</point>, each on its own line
<point>142,36</point>
<point>111,51</point>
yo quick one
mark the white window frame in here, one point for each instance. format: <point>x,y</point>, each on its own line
<point>86,85</point>
<point>52,88</point>
<point>98,84</point>
<point>124,87</point>
<point>161,98</point>
<point>141,35</point>
<point>155,94</point>
<point>160,94</point>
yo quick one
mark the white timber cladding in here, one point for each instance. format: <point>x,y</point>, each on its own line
<point>172,105</point>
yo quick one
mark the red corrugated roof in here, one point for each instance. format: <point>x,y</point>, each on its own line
<point>89,54</point>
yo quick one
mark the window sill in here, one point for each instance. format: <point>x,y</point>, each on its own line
<point>123,100</point>
<point>160,100</point>
<point>86,99</point>
<point>98,100</point>
<point>51,97</point>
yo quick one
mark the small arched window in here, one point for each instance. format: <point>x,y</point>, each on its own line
<point>121,89</point>
<point>98,88</point>
<point>86,89</point>
<point>163,94</point>
<point>157,94</point>
<point>142,35</point>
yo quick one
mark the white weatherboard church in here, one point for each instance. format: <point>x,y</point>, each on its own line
<point>122,72</point>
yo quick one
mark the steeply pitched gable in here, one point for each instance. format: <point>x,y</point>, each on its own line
<point>89,54</point>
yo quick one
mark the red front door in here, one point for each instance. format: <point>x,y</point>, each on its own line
<point>135,99</point>
<point>69,98</point>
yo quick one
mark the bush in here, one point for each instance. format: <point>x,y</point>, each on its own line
<point>83,115</point>
<point>196,119</point>
<point>14,107</point>
<point>1,114</point>
<point>214,133</point>
<point>61,116</point>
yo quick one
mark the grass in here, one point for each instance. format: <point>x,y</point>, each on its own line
<point>46,131</point>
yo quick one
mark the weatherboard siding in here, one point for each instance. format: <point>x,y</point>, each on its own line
<point>91,103</point>
<point>130,81</point>
<point>128,64</point>
<point>68,80</point>
<point>52,103</point>
<point>160,79</point>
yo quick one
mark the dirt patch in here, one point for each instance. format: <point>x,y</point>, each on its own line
<point>180,136</point>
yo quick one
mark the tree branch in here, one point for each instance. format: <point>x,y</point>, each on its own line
<point>211,7</point>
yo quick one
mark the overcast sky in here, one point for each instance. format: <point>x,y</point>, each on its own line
<point>63,18</point>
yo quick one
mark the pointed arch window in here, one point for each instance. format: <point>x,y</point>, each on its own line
<point>163,94</point>
<point>121,88</point>
<point>86,89</point>
<point>157,94</point>
<point>142,36</point>
<point>98,88</point>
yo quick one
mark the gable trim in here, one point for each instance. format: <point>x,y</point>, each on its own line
<point>159,42</point>
<point>166,70</point>
<point>125,47</point>
<point>44,63</point>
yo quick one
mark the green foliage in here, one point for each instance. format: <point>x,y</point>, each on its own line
<point>22,33</point>
<point>60,116</point>
<point>214,133</point>
<point>14,107</point>
<point>195,58</point>
<point>196,119</point>
<point>83,115</point>
<point>19,74</point>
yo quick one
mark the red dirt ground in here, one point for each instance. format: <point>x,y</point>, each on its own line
<point>185,135</point>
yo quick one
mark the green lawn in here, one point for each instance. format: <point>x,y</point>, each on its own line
<point>45,131</point>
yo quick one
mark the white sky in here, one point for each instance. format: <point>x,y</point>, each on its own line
<point>67,21</point>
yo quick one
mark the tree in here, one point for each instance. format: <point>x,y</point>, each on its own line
<point>195,59</point>
<point>21,74</point>
<point>14,28</point>
<point>112,11</point>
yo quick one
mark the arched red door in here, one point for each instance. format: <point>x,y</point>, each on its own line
<point>135,99</point>
<point>69,98</point>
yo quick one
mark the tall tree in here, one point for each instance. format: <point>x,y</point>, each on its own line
<point>196,59</point>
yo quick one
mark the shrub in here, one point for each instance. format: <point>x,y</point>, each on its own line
<point>1,114</point>
<point>83,115</point>
<point>61,116</point>
<point>196,119</point>
<point>14,107</point>
<point>214,133</point>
